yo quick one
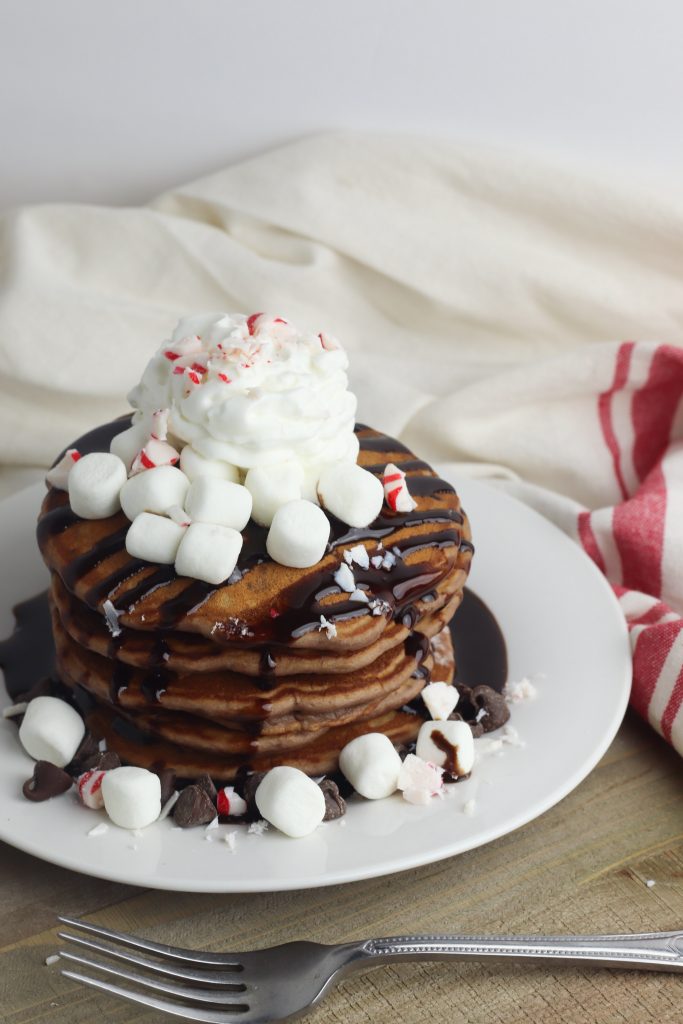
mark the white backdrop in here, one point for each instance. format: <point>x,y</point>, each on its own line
<point>113,102</point>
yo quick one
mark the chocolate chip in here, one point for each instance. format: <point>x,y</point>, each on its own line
<point>87,750</point>
<point>193,807</point>
<point>167,778</point>
<point>205,782</point>
<point>494,706</point>
<point>343,785</point>
<point>476,727</point>
<point>47,781</point>
<point>249,786</point>
<point>101,761</point>
<point>335,805</point>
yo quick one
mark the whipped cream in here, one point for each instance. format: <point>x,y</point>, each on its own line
<point>251,391</point>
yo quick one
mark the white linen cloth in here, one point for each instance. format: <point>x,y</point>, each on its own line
<point>481,297</point>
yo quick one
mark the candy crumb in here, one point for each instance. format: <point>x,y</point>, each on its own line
<point>650,883</point>
<point>14,709</point>
<point>99,830</point>
<point>168,806</point>
<point>49,960</point>
<point>257,828</point>
<point>469,807</point>
<point>212,824</point>
<point>342,822</point>
<point>231,839</point>
<point>523,690</point>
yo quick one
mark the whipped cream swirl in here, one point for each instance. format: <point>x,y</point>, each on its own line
<point>251,391</point>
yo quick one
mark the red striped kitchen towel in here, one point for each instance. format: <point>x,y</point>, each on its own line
<point>638,542</point>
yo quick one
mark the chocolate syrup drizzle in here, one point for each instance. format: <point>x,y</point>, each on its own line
<point>301,606</point>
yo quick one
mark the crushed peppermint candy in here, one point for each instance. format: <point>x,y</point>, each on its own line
<point>58,476</point>
<point>514,693</point>
<point>469,807</point>
<point>359,595</point>
<point>98,830</point>
<point>380,607</point>
<point>154,453</point>
<point>178,514</point>
<point>169,805</point>
<point>52,959</point>
<point>376,561</point>
<point>159,429</point>
<point>111,617</point>
<point>257,828</point>
<point>419,780</point>
<point>231,839</point>
<point>359,555</point>
<point>344,579</point>
<point>329,627</point>
<point>396,493</point>
<point>15,709</point>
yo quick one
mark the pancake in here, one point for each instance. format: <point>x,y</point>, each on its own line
<point>275,665</point>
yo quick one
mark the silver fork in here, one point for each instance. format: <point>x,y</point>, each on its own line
<point>275,984</point>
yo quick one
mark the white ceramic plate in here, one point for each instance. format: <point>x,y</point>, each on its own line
<point>560,621</point>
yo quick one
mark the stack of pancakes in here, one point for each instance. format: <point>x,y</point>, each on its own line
<point>274,666</point>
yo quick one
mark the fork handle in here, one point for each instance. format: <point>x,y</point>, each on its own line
<point>653,951</point>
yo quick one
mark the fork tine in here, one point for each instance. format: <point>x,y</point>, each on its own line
<point>188,956</point>
<point>175,1009</point>
<point>222,979</point>
<point>219,997</point>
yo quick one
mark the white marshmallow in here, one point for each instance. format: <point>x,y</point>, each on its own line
<point>298,535</point>
<point>419,780</point>
<point>290,801</point>
<point>208,552</point>
<point>440,700</point>
<point>223,502</point>
<point>58,476</point>
<point>154,538</point>
<point>132,796</point>
<point>457,737</point>
<point>372,765</point>
<point>195,465</point>
<point>128,443</point>
<point>273,486</point>
<point>155,490</point>
<point>90,788</point>
<point>351,493</point>
<point>94,485</point>
<point>51,730</point>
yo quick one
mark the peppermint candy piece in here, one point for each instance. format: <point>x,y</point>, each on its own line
<point>90,789</point>
<point>396,493</point>
<point>155,453</point>
<point>229,803</point>
<point>59,474</point>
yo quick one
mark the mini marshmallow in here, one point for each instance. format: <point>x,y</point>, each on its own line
<point>456,737</point>
<point>210,500</point>
<point>51,730</point>
<point>351,493</point>
<point>396,490</point>
<point>128,443</point>
<point>229,803</point>
<point>195,465</point>
<point>132,796</point>
<point>372,765</point>
<point>290,801</point>
<point>272,487</point>
<point>440,700</point>
<point>89,786</point>
<point>419,780</point>
<point>154,491</point>
<point>298,534</point>
<point>208,552</point>
<point>94,485</point>
<point>58,476</point>
<point>154,538</point>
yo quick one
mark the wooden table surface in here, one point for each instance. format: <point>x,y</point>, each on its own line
<point>583,866</point>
